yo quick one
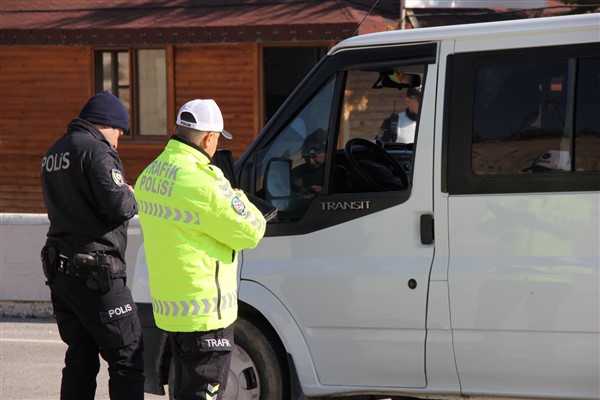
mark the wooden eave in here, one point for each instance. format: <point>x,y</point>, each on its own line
<point>138,22</point>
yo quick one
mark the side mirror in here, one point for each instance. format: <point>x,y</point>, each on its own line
<point>277,185</point>
<point>224,160</point>
<point>277,182</point>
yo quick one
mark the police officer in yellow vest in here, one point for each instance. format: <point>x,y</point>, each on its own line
<point>194,224</point>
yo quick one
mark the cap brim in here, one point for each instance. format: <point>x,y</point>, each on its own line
<point>226,134</point>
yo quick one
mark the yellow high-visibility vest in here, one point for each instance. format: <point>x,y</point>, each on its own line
<point>193,224</point>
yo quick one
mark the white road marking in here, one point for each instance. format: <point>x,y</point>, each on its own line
<point>30,340</point>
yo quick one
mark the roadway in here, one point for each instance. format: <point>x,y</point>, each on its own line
<point>32,358</point>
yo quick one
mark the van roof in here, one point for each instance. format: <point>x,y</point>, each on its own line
<point>570,22</point>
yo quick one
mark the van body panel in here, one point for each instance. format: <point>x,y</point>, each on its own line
<point>442,377</point>
<point>524,292</point>
<point>582,34</point>
<point>287,329</point>
<point>482,31</point>
<point>377,314</point>
<point>510,364</point>
<point>543,248</point>
<point>140,287</point>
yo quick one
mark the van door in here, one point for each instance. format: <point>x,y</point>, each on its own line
<point>345,256</point>
<point>524,194</point>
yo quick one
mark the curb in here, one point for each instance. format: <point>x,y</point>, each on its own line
<point>26,309</point>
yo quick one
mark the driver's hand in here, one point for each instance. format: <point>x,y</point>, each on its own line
<point>316,189</point>
<point>308,191</point>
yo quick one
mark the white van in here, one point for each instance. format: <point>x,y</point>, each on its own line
<point>462,263</point>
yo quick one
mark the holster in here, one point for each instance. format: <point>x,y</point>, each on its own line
<point>99,269</point>
<point>48,256</point>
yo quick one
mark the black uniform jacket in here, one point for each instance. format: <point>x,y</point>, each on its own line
<point>86,197</point>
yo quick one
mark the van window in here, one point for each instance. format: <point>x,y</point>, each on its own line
<point>355,135</point>
<point>293,165</point>
<point>389,117</point>
<point>587,118</point>
<point>524,120</point>
<point>527,118</point>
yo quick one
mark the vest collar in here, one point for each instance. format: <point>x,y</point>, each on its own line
<point>189,143</point>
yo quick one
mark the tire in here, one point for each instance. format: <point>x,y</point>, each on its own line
<point>257,370</point>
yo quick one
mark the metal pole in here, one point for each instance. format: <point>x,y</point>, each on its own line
<point>402,16</point>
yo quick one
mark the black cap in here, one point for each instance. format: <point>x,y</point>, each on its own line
<point>314,143</point>
<point>105,108</point>
<point>413,92</point>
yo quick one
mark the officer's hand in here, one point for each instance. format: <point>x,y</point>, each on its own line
<point>131,189</point>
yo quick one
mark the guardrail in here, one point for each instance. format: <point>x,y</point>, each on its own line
<point>22,288</point>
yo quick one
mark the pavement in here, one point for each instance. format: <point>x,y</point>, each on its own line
<point>32,358</point>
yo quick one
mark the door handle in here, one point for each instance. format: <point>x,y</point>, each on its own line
<point>427,234</point>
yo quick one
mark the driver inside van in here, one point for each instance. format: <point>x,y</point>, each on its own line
<point>308,178</point>
<point>400,127</point>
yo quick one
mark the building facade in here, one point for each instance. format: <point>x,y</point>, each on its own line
<point>155,55</point>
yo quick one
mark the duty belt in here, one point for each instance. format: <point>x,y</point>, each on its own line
<point>95,268</point>
<point>82,265</point>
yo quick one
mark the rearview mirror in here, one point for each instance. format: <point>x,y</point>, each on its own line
<point>397,79</point>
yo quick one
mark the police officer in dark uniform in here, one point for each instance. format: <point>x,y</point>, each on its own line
<point>308,178</point>
<point>89,205</point>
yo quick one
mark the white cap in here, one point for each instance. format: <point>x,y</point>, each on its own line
<point>207,115</point>
<point>552,160</point>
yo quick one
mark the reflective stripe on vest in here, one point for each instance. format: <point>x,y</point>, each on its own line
<point>181,308</point>
<point>166,212</point>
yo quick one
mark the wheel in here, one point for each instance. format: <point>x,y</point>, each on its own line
<point>377,172</point>
<point>257,371</point>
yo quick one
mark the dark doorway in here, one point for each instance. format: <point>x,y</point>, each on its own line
<point>284,68</point>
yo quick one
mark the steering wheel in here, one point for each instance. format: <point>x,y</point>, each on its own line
<point>382,175</point>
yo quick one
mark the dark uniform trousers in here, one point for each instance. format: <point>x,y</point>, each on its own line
<point>93,323</point>
<point>201,361</point>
